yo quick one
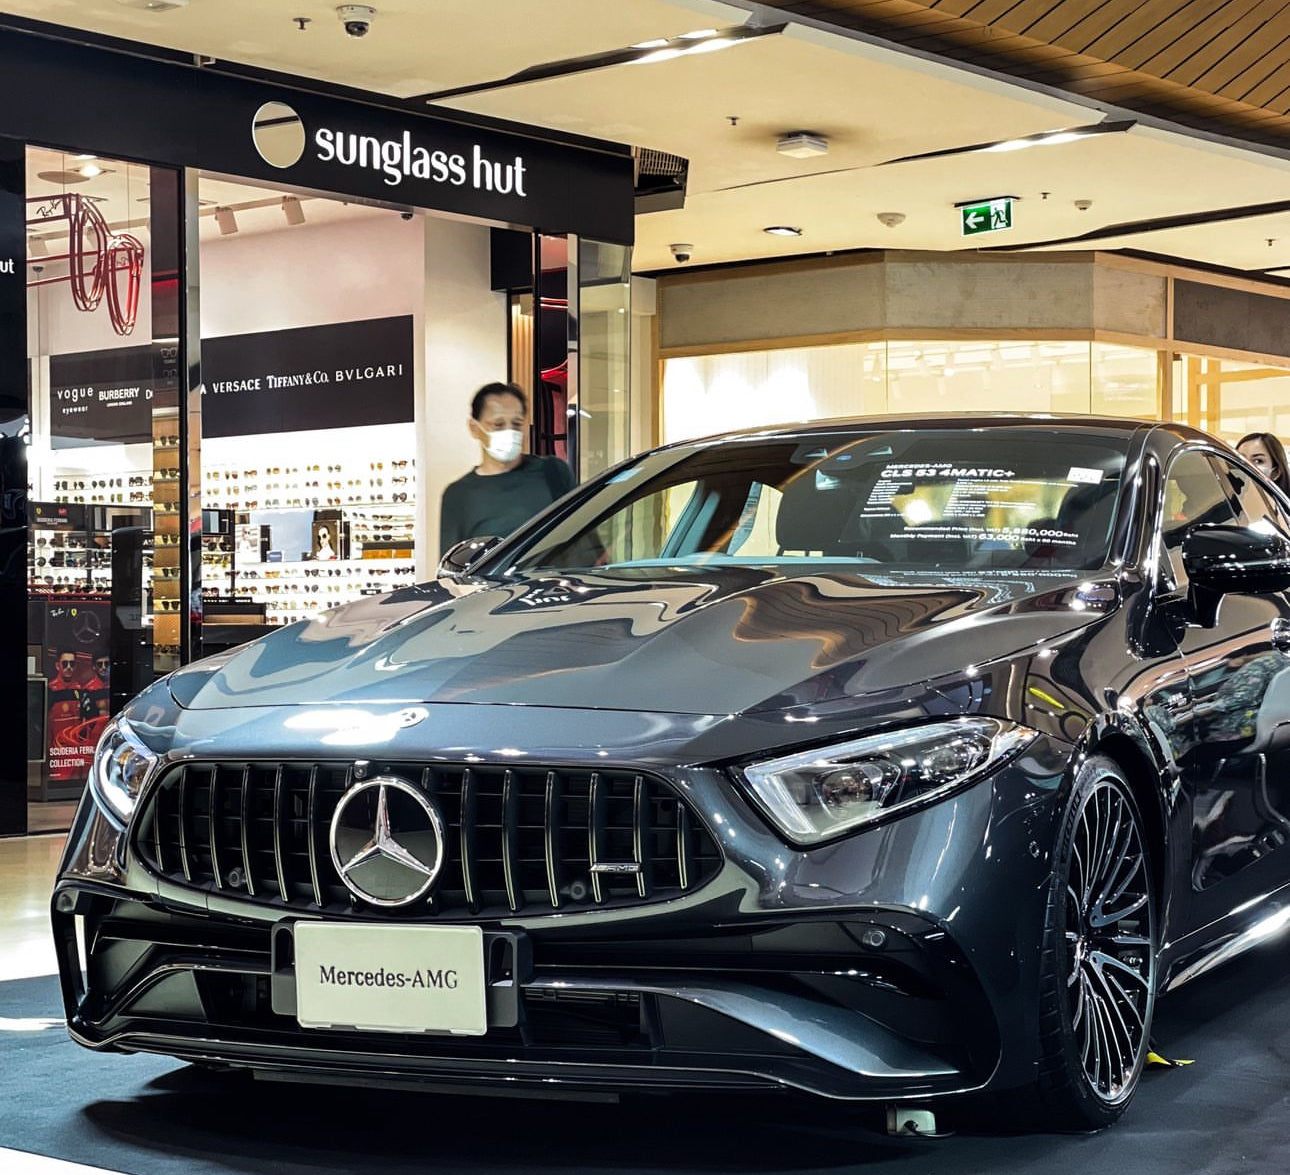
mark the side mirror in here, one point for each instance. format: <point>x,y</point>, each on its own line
<point>458,558</point>
<point>1222,559</point>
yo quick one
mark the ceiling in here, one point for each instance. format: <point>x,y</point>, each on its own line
<point>121,193</point>
<point>723,111</point>
<point>1213,64</point>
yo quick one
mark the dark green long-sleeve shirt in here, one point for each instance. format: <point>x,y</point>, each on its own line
<point>475,506</point>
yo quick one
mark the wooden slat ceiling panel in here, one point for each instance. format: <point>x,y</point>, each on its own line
<point>1223,41</point>
<point>1268,92</point>
<point>1151,28</point>
<point>1174,45</point>
<point>1219,65</point>
<point>1224,76</point>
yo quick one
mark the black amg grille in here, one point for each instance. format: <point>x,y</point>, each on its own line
<point>518,839</point>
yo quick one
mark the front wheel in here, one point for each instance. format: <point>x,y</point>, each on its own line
<point>1098,963</point>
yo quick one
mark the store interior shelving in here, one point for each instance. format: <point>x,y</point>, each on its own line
<point>346,501</point>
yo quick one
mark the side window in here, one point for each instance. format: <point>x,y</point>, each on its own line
<point>1251,502</point>
<point>1193,495</point>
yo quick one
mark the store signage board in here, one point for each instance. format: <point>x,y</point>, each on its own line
<point>986,216</point>
<point>13,283</point>
<point>316,377</point>
<point>106,397</point>
<point>62,516</point>
<point>450,161</point>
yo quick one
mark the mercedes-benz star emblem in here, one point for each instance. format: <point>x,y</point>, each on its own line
<point>387,841</point>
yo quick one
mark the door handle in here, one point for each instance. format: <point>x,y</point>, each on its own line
<point>1280,634</point>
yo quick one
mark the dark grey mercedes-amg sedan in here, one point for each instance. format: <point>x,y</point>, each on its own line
<point>886,760</point>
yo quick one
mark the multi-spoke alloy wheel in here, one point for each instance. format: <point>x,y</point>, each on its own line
<point>1108,939</point>
<point>1099,957</point>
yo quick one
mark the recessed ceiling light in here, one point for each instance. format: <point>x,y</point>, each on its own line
<point>90,170</point>
<point>782,230</point>
<point>154,5</point>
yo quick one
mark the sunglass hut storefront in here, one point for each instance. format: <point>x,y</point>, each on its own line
<point>240,324</point>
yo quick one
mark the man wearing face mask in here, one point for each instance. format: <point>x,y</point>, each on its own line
<point>508,486</point>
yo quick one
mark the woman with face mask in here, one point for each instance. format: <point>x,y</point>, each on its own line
<point>1266,453</point>
<point>508,486</point>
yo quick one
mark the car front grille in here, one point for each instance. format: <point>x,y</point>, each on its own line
<point>520,839</point>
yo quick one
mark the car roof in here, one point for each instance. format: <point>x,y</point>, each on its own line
<point>1076,423</point>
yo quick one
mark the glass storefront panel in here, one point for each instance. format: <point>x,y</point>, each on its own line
<point>604,304</point>
<point>310,488</point>
<point>706,394</point>
<point>1231,397</point>
<point>751,389</point>
<point>1248,397</point>
<point>996,376</point>
<point>103,559</point>
<point>1125,381</point>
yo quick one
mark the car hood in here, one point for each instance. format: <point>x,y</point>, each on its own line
<point>721,641</point>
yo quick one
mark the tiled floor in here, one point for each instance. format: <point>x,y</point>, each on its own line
<point>27,865</point>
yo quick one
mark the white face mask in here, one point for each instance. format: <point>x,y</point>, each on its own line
<point>504,444</point>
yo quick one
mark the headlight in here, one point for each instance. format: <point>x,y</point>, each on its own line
<point>121,764</point>
<point>815,795</point>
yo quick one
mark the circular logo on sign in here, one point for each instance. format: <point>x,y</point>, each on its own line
<point>387,841</point>
<point>279,135</point>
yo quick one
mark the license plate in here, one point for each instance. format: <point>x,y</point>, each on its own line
<point>391,978</point>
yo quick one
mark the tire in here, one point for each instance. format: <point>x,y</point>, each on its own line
<point>1098,956</point>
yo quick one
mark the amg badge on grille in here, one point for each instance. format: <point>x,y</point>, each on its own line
<point>387,841</point>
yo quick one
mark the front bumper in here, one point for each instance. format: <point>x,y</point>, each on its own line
<point>895,964</point>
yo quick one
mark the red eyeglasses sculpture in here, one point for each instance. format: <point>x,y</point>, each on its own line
<point>100,263</point>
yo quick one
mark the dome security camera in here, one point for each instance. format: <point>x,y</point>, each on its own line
<point>682,253</point>
<point>891,219</point>
<point>357,18</point>
<point>1083,205</point>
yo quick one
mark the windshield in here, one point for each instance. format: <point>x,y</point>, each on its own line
<point>943,500</point>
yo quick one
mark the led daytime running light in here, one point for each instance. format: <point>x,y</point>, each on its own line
<point>818,795</point>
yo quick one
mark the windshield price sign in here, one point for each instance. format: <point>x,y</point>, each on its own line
<point>986,216</point>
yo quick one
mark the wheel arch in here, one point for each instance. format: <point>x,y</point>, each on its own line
<point>1143,775</point>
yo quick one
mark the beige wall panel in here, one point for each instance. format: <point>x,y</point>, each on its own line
<point>785,305</point>
<point>975,294</point>
<point>1129,303</point>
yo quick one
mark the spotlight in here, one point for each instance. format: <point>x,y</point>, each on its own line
<point>292,210</point>
<point>226,220</point>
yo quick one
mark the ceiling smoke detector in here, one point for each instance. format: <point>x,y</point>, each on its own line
<point>802,144</point>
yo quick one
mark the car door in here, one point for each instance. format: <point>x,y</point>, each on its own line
<point>1235,735</point>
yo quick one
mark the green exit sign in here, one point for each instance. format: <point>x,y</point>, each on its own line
<point>986,216</point>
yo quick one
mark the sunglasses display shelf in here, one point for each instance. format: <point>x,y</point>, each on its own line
<point>320,484</point>
<point>67,562</point>
<point>165,594</point>
<point>299,591</point>
<point>379,543</point>
<point>116,487</point>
